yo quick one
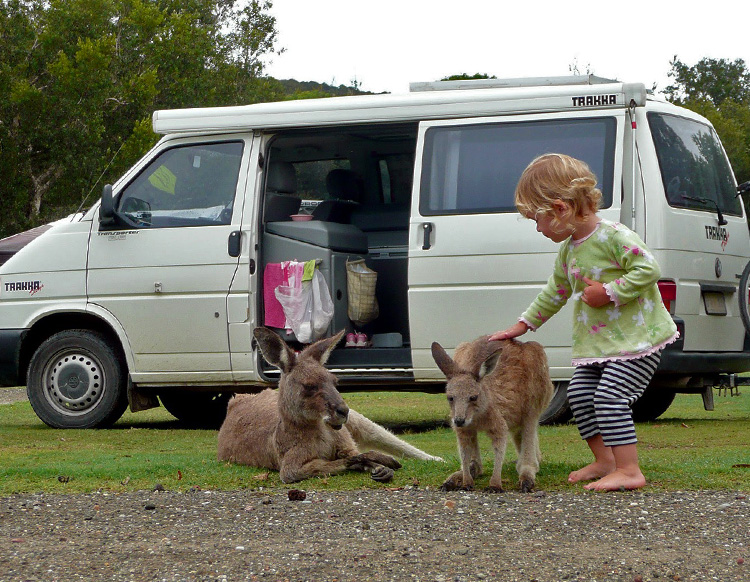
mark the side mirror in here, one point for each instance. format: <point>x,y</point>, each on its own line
<point>107,207</point>
<point>743,188</point>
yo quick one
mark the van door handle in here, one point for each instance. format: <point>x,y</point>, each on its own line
<point>233,244</point>
<point>427,226</point>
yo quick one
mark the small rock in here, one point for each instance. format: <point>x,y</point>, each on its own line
<point>150,507</point>
<point>296,495</point>
<point>158,487</point>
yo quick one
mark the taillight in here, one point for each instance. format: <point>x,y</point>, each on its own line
<point>668,290</point>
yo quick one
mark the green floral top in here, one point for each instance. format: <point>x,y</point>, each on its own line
<point>634,324</point>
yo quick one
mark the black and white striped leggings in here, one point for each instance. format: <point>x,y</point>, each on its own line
<point>601,395</point>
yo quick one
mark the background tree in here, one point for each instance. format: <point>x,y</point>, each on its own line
<point>79,80</point>
<point>719,90</point>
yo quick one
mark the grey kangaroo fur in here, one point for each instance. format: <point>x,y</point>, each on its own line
<point>304,428</point>
<point>501,388</point>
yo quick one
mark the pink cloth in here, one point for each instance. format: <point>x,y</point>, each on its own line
<point>289,274</point>
<point>273,276</point>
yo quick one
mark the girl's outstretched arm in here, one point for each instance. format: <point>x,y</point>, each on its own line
<point>519,328</point>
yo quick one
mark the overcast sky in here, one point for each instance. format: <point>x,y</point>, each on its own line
<point>386,44</point>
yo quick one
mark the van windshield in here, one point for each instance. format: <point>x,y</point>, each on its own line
<point>694,169</point>
<point>472,169</point>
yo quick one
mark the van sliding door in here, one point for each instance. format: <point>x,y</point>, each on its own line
<point>475,264</point>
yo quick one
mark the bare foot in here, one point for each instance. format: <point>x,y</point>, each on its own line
<point>595,470</point>
<point>617,481</point>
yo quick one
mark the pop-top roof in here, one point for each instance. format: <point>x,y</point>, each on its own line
<point>471,99</point>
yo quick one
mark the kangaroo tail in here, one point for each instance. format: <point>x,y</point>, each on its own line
<point>370,435</point>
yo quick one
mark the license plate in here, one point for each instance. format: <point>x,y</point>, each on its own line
<point>714,303</point>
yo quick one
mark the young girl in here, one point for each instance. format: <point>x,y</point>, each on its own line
<point>620,324</point>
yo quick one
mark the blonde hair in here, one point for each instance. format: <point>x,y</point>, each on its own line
<point>553,177</point>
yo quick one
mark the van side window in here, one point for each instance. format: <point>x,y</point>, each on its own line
<point>190,185</point>
<point>694,169</point>
<point>472,169</point>
<point>311,177</point>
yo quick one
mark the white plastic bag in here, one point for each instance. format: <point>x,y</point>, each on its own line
<point>308,308</point>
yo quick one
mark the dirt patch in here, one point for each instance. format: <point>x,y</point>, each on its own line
<point>376,535</point>
<point>11,395</point>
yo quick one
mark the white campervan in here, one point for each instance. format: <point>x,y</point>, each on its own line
<point>155,291</point>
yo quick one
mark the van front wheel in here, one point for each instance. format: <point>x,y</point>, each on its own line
<point>77,380</point>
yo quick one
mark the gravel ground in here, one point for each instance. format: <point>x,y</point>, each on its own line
<point>401,535</point>
<point>11,395</point>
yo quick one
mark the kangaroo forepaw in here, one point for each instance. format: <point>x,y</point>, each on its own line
<point>370,459</point>
<point>382,474</point>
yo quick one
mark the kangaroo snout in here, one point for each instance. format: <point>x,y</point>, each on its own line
<point>337,416</point>
<point>459,421</point>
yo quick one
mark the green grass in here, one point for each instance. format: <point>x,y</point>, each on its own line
<point>688,448</point>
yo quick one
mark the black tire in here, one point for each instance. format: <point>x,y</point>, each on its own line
<point>196,409</point>
<point>558,411</point>
<point>653,403</point>
<point>744,298</point>
<point>77,380</point>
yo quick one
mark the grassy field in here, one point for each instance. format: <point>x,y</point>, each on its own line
<point>688,448</point>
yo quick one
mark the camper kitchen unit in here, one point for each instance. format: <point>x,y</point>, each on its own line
<point>151,296</point>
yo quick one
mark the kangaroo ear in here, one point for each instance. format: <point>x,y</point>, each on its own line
<point>491,355</point>
<point>321,349</point>
<point>274,349</point>
<point>443,360</point>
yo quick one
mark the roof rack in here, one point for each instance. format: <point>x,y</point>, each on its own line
<point>504,83</point>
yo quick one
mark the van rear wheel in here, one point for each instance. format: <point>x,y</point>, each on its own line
<point>653,403</point>
<point>558,411</point>
<point>744,297</point>
<point>77,380</point>
<point>196,409</point>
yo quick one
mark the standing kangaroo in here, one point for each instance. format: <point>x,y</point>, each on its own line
<point>509,397</point>
<point>305,428</point>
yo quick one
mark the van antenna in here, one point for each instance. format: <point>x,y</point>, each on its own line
<point>112,159</point>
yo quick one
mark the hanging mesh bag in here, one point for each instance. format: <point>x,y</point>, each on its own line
<point>360,286</point>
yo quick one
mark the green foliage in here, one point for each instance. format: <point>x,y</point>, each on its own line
<point>719,90</point>
<point>467,77</point>
<point>688,448</point>
<point>80,78</point>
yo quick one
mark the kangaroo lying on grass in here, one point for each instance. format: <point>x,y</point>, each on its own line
<point>305,428</point>
<point>509,397</point>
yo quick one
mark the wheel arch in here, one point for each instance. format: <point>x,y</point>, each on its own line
<point>53,323</point>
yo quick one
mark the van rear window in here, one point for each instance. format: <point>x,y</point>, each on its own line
<point>473,169</point>
<point>694,169</point>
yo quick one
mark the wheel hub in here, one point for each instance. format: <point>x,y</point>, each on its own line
<point>75,382</point>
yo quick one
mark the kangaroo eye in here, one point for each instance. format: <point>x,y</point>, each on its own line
<point>450,398</point>
<point>473,398</point>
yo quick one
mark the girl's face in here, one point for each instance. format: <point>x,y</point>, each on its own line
<point>553,224</point>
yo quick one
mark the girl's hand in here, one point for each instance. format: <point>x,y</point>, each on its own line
<point>513,331</point>
<point>594,295</point>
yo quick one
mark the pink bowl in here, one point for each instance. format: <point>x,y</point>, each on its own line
<point>301,217</point>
